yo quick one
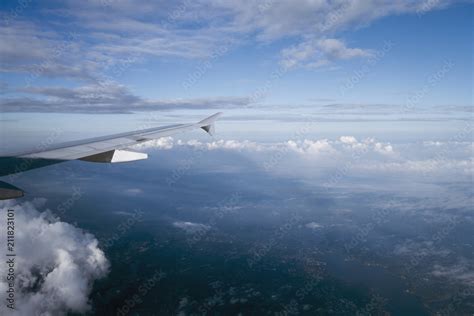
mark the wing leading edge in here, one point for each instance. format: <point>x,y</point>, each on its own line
<point>106,149</point>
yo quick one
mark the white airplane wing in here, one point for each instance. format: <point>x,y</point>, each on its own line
<point>107,149</point>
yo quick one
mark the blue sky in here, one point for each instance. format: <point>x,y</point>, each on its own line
<point>212,54</point>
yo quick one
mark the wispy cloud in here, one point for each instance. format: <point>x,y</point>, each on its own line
<point>85,41</point>
<point>107,31</point>
<point>315,54</point>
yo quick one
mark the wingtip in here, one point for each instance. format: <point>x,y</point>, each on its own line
<point>210,119</point>
<point>208,123</point>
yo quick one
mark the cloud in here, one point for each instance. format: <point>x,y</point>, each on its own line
<point>170,143</point>
<point>462,272</point>
<point>30,49</point>
<point>105,97</point>
<point>85,38</point>
<point>273,19</point>
<point>346,155</point>
<point>225,144</point>
<point>56,263</point>
<point>96,42</point>
<point>190,227</point>
<point>315,54</point>
<point>313,225</point>
<point>133,191</point>
<point>160,143</point>
<point>305,147</point>
<point>348,140</point>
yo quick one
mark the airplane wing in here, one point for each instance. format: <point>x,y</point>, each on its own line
<point>106,149</point>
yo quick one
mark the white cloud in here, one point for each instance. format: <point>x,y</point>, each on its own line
<point>111,31</point>
<point>348,140</point>
<point>56,263</point>
<point>313,225</point>
<point>306,147</point>
<point>170,143</point>
<point>160,143</point>
<point>311,147</point>
<point>28,48</point>
<point>346,154</point>
<point>190,227</point>
<point>383,148</point>
<point>235,145</point>
<point>318,53</point>
<point>273,19</point>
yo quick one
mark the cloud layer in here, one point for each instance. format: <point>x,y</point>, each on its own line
<point>56,263</point>
<point>346,155</point>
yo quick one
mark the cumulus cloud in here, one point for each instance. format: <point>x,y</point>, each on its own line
<point>170,143</point>
<point>56,263</point>
<point>348,140</point>
<point>347,154</point>
<point>306,147</point>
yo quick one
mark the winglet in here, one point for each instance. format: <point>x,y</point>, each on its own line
<point>208,123</point>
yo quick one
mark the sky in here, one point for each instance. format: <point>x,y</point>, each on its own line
<point>125,56</point>
<point>351,103</point>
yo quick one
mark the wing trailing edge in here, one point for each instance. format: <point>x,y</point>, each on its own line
<point>105,149</point>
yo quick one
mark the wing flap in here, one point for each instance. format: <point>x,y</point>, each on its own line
<point>116,155</point>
